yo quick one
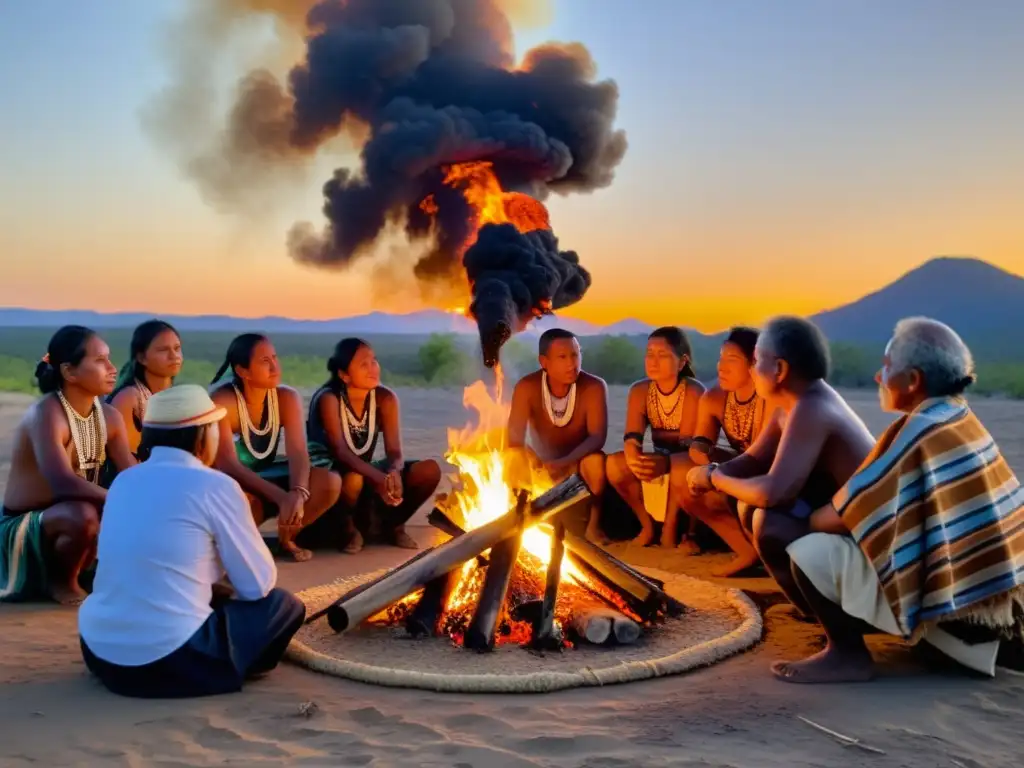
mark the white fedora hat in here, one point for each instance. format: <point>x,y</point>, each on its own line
<point>186,405</point>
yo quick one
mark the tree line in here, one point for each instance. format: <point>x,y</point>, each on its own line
<point>453,361</point>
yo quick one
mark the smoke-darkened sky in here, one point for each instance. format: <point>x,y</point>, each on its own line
<point>782,157</point>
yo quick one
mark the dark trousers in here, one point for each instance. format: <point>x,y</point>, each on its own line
<point>241,638</point>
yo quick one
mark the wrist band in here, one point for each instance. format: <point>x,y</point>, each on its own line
<point>637,437</point>
<point>303,491</point>
<point>702,444</point>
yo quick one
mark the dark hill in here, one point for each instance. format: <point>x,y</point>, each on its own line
<point>983,303</point>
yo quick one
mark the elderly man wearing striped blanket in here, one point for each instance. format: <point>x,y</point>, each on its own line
<point>926,540</point>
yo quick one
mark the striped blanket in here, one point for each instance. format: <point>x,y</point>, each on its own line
<point>940,515</point>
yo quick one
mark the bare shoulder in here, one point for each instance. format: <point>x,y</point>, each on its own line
<point>288,394</point>
<point>127,395</point>
<point>693,386</point>
<point>713,396</point>
<point>529,384</point>
<point>386,396</point>
<point>223,394</point>
<point>46,410</point>
<point>639,387</point>
<point>817,408</point>
<point>40,410</point>
<point>112,416</point>
<point>591,383</point>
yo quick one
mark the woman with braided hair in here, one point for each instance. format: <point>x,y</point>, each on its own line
<point>53,501</point>
<point>259,408</point>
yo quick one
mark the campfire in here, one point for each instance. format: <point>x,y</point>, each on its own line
<point>510,572</point>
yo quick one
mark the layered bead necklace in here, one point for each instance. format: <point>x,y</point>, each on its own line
<point>272,416</point>
<point>89,435</point>
<point>739,418</point>
<point>658,415</point>
<point>365,427</point>
<point>559,409</point>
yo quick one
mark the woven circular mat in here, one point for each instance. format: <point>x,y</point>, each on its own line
<point>719,623</point>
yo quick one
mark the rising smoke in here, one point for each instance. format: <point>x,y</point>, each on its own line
<point>423,84</point>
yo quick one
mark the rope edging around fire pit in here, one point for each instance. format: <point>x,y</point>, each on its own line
<point>703,654</point>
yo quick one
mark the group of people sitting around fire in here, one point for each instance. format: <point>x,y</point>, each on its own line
<point>144,500</point>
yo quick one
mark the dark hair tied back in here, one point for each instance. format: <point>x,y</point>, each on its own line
<point>679,342</point>
<point>142,338</point>
<point>340,360</point>
<point>239,354</point>
<point>745,338</point>
<point>66,347</point>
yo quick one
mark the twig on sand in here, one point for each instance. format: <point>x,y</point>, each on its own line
<point>846,741</point>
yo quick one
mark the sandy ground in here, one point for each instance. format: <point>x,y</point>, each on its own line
<point>732,714</point>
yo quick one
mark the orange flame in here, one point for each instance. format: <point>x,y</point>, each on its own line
<point>482,493</point>
<point>491,204</point>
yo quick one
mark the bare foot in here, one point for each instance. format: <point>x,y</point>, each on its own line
<point>827,666</point>
<point>299,554</point>
<point>404,541</point>
<point>66,594</point>
<point>645,538</point>
<point>355,544</point>
<point>739,567</point>
<point>687,546</point>
<point>596,535</point>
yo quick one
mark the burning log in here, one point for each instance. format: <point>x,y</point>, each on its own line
<point>599,626</point>
<point>639,592</point>
<point>644,595</point>
<point>423,620</point>
<point>443,523</point>
<point>544,635</point>
<point>480,635</point>
<point>364,601</point>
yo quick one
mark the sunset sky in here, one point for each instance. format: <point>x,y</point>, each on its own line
<point>783,157</point>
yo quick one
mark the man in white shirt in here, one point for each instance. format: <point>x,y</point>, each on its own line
<point>155,625</point>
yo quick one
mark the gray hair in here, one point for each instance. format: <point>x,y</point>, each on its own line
<point>934,349</point>
<point>800,343</point>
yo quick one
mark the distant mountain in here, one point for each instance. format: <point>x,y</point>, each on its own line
<point>983,303</point>
<point>375,323</point>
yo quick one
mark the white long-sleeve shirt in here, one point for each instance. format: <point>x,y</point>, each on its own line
<point>171,527</point>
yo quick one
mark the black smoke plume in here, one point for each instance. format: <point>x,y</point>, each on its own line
<point>517,276</point>
<point>433,83</point>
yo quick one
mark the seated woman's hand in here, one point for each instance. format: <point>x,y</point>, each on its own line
<point>382,486</point>
<point>394,486</point>
<point>291,510</point>
<point>644,466</point>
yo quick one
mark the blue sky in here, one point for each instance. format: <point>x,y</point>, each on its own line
<point>784,156</point>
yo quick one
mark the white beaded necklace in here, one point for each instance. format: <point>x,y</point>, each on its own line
<point>350,424</point>
<point>247,428</point>
<point>89,434</point>
<point>560,414</point>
